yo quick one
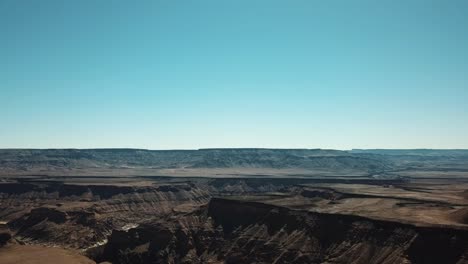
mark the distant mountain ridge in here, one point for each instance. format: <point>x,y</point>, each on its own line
<point>45,161</point>
<point>419,152</point>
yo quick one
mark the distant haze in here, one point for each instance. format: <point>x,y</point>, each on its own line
<point>206,74</point>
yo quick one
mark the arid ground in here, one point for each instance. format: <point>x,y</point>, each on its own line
<point>234,206</point>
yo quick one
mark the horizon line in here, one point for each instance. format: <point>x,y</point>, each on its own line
<point>229,148</point>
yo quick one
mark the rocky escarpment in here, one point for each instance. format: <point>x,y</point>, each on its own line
<point>80,216</point>
<point>65,161</point>
<point>51,226</point>
<point>339,238</point>
<point>230,231</point>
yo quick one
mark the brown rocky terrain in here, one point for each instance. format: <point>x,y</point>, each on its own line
<point>232,231</point>
<point>401,211</point>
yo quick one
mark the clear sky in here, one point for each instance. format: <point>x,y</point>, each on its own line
<point>245,73</point>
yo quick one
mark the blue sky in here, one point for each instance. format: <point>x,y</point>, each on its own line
<point>211,73</point>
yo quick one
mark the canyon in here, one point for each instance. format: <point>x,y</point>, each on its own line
<point>234,206</point>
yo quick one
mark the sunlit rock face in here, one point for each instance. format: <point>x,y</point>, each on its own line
<point>83,216</point>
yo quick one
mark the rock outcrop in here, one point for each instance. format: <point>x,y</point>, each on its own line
<point>79,216</point>
<point>231,231</point>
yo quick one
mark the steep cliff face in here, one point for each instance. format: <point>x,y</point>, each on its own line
<point>229,231</point>
<point>263,221</point>
<point>345,238</point>
<point>51,226</point>
<point>80,216</point>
